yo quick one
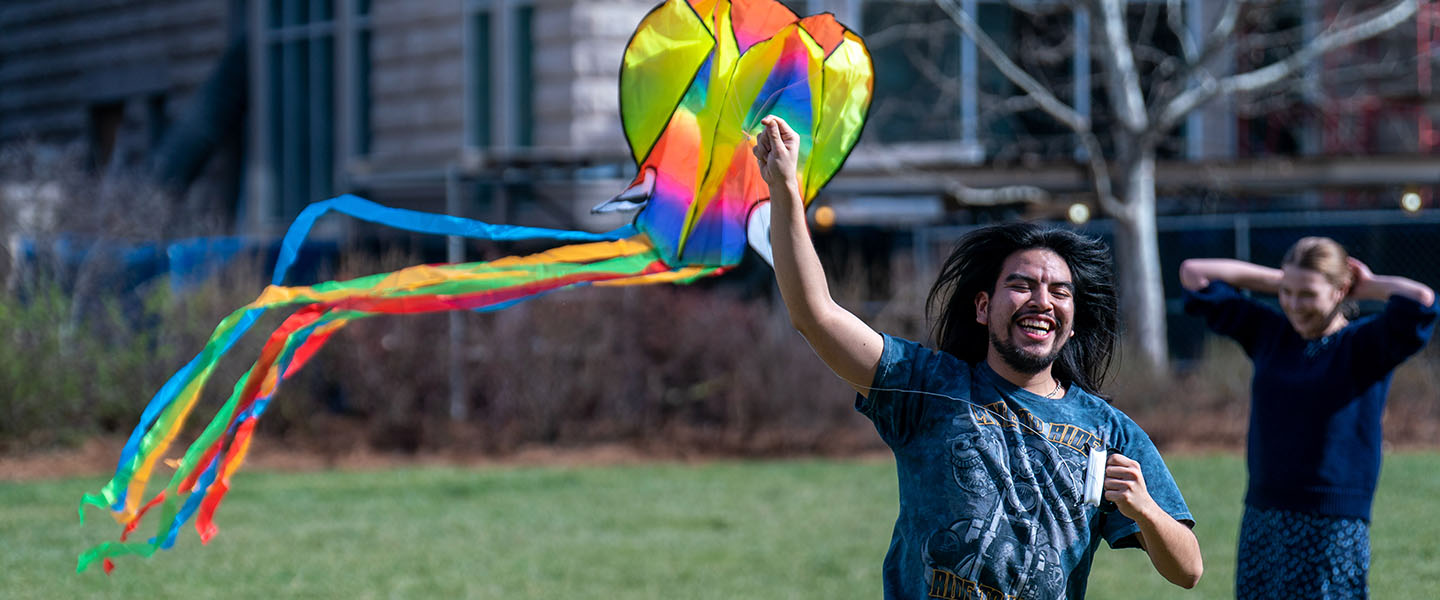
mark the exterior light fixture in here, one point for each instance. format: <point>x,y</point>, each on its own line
<point>1411,202</point>
<point>824,217</point>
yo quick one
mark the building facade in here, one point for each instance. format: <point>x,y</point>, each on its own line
<point>508,109</point>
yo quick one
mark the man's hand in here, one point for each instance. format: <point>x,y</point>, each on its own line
<point>1125,486</point>
<point>777,148</point>
<point>1172,547</point>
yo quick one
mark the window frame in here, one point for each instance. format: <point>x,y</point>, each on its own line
<point>500,76</point>
<point>335,105</point>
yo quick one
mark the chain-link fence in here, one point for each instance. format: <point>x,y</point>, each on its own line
<point>1390,242</point>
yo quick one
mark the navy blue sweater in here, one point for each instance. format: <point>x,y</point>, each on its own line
<point>1314,441</point>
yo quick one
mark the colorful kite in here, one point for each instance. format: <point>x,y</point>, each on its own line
<point>697,78</point>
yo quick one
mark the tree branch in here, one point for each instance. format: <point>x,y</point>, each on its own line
<point>1046,101</point>
<point>1214,42</point>
<point>1032,8</point>
<point>1175,18</point>
<point>1357,29</point>
<point>1123,77</point>
<point>1218,35</point>
<point>1010,194</point>
<point>1043,97</point>
<point>1100,174</point>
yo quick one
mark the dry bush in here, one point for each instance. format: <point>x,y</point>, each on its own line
<point>671,369</point>
<point>1413,415</point>
<point>1208,405</point>
<point>1203,407</point>
<point>676,369</point>
<point>84,342</point>
<point>84,348</point>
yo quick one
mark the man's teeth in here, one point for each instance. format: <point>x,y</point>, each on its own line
<point>1035,324</point>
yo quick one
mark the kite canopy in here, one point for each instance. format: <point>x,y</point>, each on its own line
<point>697,79</point>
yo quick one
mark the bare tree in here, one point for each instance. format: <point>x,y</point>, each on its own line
<point>1123,173</point>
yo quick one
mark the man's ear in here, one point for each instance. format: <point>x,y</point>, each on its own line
<point>982,308</point>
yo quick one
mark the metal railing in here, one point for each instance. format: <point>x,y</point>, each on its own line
<point>1389,241</point>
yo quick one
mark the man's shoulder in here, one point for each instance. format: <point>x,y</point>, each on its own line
<point>897,349</point>
<point>1097,409</point>
<point>1086,400</point>
<point>908,366</point>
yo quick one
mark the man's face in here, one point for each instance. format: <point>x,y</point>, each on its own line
<point>1031,314</point>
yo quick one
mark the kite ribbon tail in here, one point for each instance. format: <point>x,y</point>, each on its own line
<point>107,550</point>
<point>305,342</point>
<point>234,457</point>
<point>420,222</point>
<point>208,486</point>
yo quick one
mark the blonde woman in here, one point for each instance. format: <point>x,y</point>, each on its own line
<point>1317,397</point>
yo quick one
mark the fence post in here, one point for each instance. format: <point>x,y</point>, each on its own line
<point>455,253</point>
<point>1242,237</point>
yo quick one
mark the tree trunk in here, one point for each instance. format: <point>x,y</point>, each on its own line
<point>1137,253</point>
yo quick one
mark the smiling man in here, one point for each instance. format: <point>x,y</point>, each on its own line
<point>997,433</point>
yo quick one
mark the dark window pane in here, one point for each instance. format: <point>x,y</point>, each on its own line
<point>275,130</point>
<point>524,99</point>
<point>362,93</point>
<point>293,188</point>
<point>321,101</point>
<point>480,79</point>
<point>1043,45</point>
<point>294,12</point>
<point>156,120</point>
<point>916,50</point>
<point>105,122</point>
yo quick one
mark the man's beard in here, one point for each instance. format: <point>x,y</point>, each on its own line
<point>1020,360</point>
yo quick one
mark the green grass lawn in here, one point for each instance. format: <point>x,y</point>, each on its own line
<point>806,529</point>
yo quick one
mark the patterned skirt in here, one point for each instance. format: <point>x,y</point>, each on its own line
<point>1285,554</point>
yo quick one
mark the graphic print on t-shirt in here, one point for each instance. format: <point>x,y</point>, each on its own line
<point>1023,479</point>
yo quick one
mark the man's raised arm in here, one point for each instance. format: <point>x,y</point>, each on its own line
<point>846,344</point>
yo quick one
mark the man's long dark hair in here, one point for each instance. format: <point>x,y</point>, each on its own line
<point>974,267</point>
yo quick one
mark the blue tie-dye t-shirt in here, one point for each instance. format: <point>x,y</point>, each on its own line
<point>992,479</point>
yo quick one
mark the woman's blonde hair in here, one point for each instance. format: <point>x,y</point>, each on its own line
<point>1323,255</point>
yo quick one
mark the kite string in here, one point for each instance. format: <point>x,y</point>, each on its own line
<point>1003,418</point>
<point>746,123</point>
<point>1044,435</point>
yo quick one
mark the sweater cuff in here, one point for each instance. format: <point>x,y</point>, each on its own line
<point>1198,301</point>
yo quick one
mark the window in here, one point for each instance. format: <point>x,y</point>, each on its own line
<point>156,120</point>
<point>300,77</point>
<point>104,129</point>
<point>360,80</point>
<point>916,51</point>
<point>500,92</point>
<point>932,84</point>
<point>315,91</point>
